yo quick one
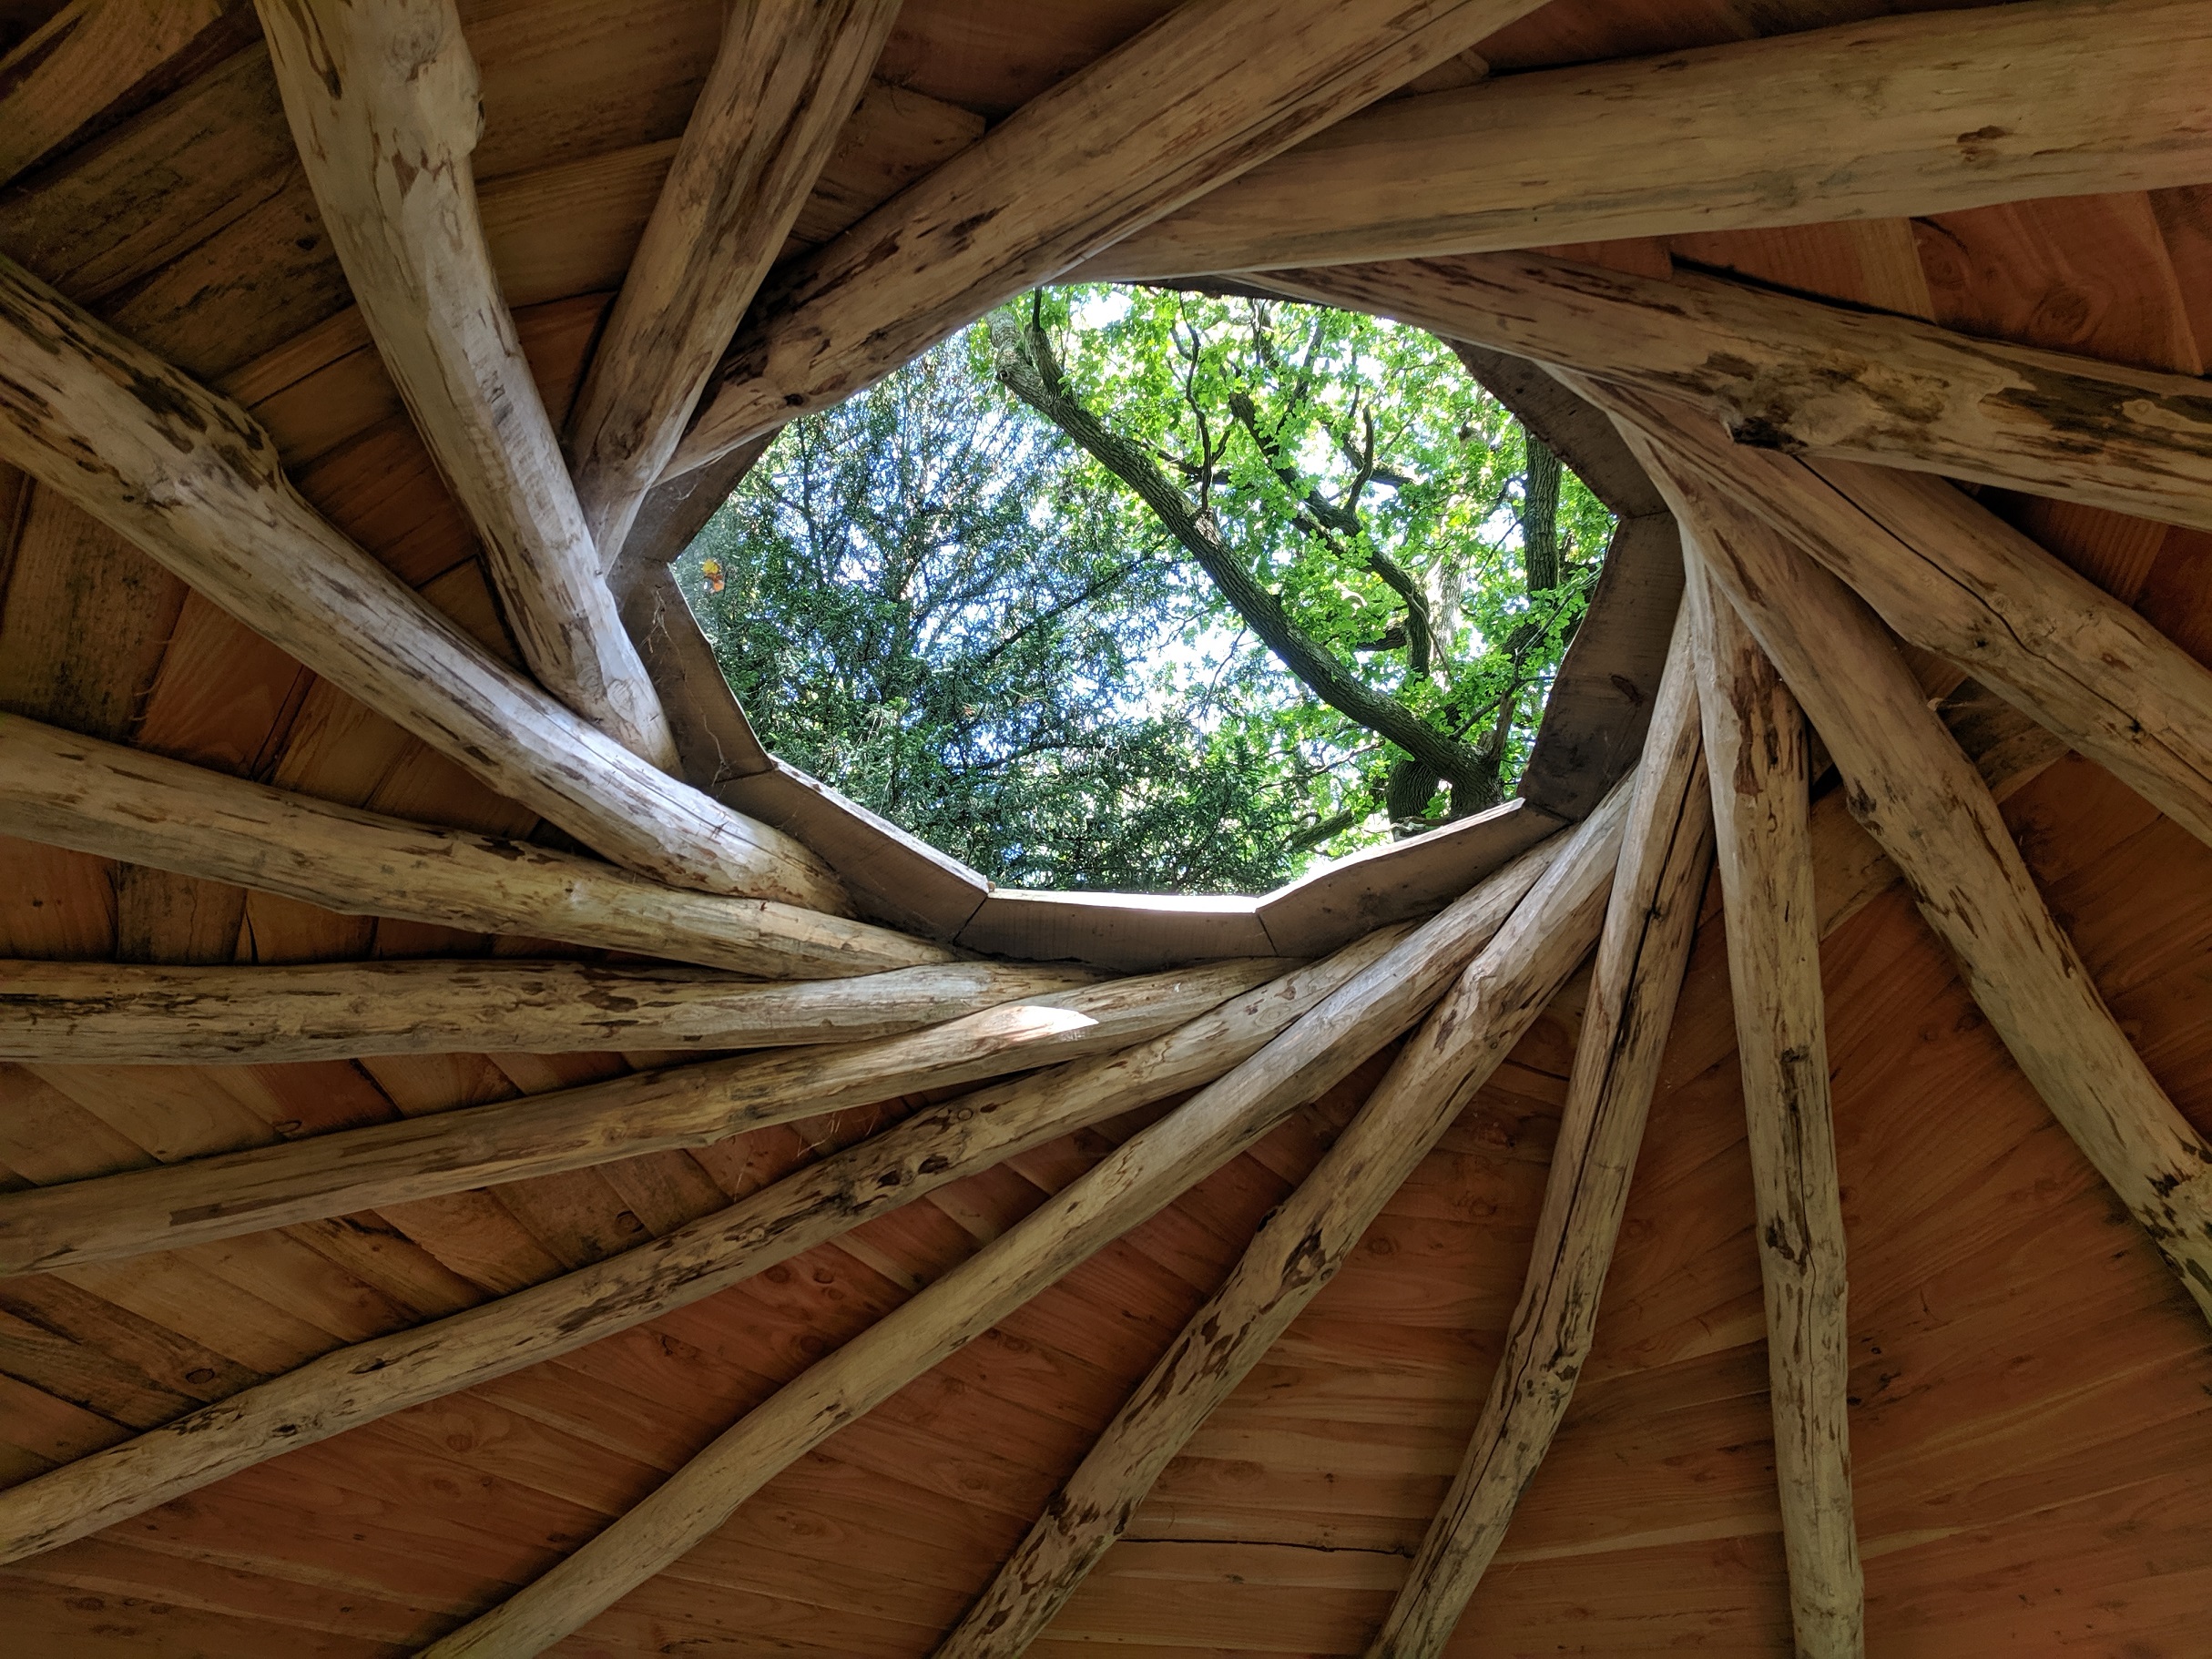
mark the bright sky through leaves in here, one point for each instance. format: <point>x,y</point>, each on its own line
<point>1018,644</point>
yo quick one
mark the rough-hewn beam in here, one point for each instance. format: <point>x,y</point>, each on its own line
<point>1888,118</point>
<point>195,482</point>
<point>1951,576</point>
<point>1185,106</point>
<point>1781,372</point>
<point>1665,857</point>
<point>1755,745</point>
<point>384,106</point>
<point>163,1208</point>
<point>1139,1178</point>
<point>144,808</point>
<point>940,1144</point>
<point>1919,797</point>
<point>1303,1243</point>
<point>787,75</point>
<point>122,1013</point>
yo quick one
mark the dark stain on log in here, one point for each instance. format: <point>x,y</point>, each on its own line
<point>2073,406</point>
<point>1770,431</point>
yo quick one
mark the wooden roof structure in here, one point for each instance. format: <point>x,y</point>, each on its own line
<point>492,1161</point>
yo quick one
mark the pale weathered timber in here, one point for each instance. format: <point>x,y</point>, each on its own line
<point>1650,916</point>
<point>384,105</point>
<point>1950,576</point>
<point>1302,1245</point>
<point>1755,745</point>
<point>1919,796</point>
<point>1894,117</point>
<point>122,1014</point>
<point>65,81</point>
<point>194,481</point>
<point>787,76</point>
<point>694,1105</point>
<point>145,809</point>
<point>938,1145</point>
<point>1138,1179</point>
<point>1185,106</point>
<point>1781,372</point>
<point>2009,750</point>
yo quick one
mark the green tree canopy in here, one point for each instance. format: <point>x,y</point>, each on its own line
<point>927,598</point>
<point>1223,582</point>
<point>1375,519</point>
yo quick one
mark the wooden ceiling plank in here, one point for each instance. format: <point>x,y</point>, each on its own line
<point>1650,918</point>
<point>92,61</point>
<point>1756,749</point>
<point>193,481</point>
<point>1305,1241</point>
<point>167,182</point>
<point>125,803</point>
<point>1141,1177</point>
<point>111,1013</point>
<point>1184,106</point>
<point>1781,372</point>
<point>694,1105</point>
<point>1895,118</point>
<point>384,105</point>
<point>74,579</point>
<point>1919,797</point>
<point>785,81</point>
<point>806,1208</point>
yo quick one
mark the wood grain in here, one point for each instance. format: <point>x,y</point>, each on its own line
<point>784,84</point>
<point>1919,797</point>
<point>1755,745</point>
<point>1306,1240</point>
<point>86,66</point>
<point>1665,860</point>
<point>645,1112</point>
<point>1891,117</point>
<point>1138,1179</point>
<point>125,803</point>
<point>115,1013</point>
<point>1948,574</point>
<point>943,1144</point>
<point>384,106</point>
<point>1781,372</point>
<point>1145,128</point>
<point>193,481</point>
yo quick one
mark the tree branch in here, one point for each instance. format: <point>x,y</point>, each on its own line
<point>1028,368</point>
